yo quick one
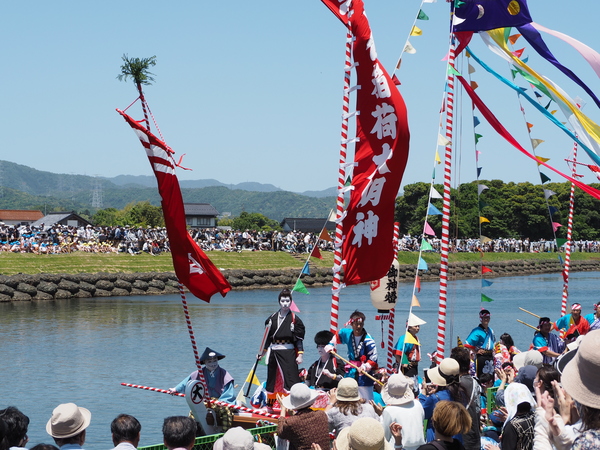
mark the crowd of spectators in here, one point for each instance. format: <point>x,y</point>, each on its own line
<point>134,240</point>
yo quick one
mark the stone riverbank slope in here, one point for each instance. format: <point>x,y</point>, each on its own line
<point>24,287</point>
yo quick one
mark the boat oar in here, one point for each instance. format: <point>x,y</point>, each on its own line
<point>530,326</point>
<point>529,312</point>
<point>357,368</point>
<point>208,402</point>
<point>258,357</point>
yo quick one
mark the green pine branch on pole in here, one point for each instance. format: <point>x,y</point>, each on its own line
<point>138,70</point>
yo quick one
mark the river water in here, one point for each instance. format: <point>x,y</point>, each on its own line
<point>81,350</point>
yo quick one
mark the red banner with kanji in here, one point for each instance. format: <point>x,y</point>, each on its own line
<point>193,268</point>
<point>380,157</point>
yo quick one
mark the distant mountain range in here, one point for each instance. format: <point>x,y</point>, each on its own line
<point>22,187</point>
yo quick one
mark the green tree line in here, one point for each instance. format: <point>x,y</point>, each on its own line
<point>516,210</point>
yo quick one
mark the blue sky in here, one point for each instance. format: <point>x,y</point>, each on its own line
<point>251,91</point>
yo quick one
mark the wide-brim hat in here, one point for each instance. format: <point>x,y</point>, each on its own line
<point>238,439</point>
<point>580,377</point>
<point>528,358</point>
<point>68,420</point>
<point>397,391</point>
<point>364,434</point>
<point>210,353</point>
<point>347,390</point>
<point>564,359</point>
<point>301,396</point>
<point>442,374</point>
<point>414,321</point>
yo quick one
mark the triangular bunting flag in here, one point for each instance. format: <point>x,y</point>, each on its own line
<point>425,245</point>
<point>396,80</point>
<point>553,210</point>
<point>306,269</point>
<point>481,188</point>
<point>484,239</point>
<point>254,379</point>
<point>474,85</point>
<point>410,339</point>
<point>416,31</point>
<point>539,158</point>
<point>555,226</point>
<point>536,142</point>
<point>453,71</point>
<point>422,265</point>
<point>433,211</point>
<point>544,177</point>
<point>477,137</point>
<point>415,301</point>
<point>529,125</point>
<point>434,194</point>
<point>475,121</point>
<point>486,283</point>
<point>408,48</point>
<point>512,39</point>
<point>422,15</point>
<point>443,141</point>
<point>316,253</point>
<point>294,307</point>
<point>437,158</point>
<point>479,171</point>
<point>428,230</point>
<point>483,219</point>
<point>325,235</point>
<point>477,155</point>
<point>240,399</point>
<point>537,94</point>
<point>348,182</point>
<point>482,204</point>
<point>548,193</point>
<point>560,242</point>
<point>299,287</point>
<point>518,53</point>
<point>418,284</point>
<point>485,298</point>
<point>485,269</point>
<point>331,218</point>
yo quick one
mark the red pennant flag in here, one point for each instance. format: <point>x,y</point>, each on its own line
<point>396,80</point>
<point>485,269</point>
<point>512,39</point>
<point>380,158</point>
<point>193,268</point>
<point>518,53</point>
<point>418,283</point>
<point>325,236</point>
<point>316,253</point>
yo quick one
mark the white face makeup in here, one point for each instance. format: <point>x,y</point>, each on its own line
<point>321,350</point>
<point>212,363</point>
<point>285,302</point>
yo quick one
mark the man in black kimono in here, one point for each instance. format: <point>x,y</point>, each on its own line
<point>284,347</point>
<point>327,371</point>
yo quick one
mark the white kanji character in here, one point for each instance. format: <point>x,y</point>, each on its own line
<point>365,228</point>
<point>386,121</point>
<point>371,48</point>
<point>380,160</point>
<point>382,88</point>
<point>373,192</point>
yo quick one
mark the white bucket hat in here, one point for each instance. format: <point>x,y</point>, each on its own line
<point>301,396</point>
<point>580,377</point>
<point>238,439</point>
<point>397,391</point>
<point>528,358</point>
<point>68,420</point>
<point>364,434</point>
<point>347,390</point>
<point>443,374</point>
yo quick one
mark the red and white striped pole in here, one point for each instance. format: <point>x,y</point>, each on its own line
<point>567,266</point>
<point>441,326</point>
<point>337,258</point>
<point>148,388</point>
<point>390,352</point>
<point>188,321</point>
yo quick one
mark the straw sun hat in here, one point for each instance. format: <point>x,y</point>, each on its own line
<point>301,396</point>
<point>364,434</point>
<point>580,377</point>
<point>397,391</point>
<point>444,374</point>
<point>68,420</point>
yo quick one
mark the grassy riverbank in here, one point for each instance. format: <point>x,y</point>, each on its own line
<point>13,263</point>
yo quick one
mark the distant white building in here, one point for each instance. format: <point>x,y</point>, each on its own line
<point>200,215</point>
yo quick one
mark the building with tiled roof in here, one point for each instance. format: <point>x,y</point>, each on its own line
<point>19,216</point>
<point>200,215</point>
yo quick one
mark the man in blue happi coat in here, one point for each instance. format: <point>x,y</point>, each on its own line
<point>546,342</point>
<point>481,342</point>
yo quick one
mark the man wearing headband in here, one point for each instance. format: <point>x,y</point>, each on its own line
<point>285,348</point>
<point>362,352</point>
<point>481,342</point>
<point>546,342</point>
<point>572,325</point>
<point>594,318</point>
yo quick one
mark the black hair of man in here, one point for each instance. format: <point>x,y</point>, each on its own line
<point>17,424</point>
<point>463,357</point>
<point>179,432</point>
<point>358,315</point>
<point>284,293</point>
<point>125,428</point>
<point>44,447</point>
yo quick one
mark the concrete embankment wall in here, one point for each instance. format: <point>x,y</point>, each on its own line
<point>23,287</point>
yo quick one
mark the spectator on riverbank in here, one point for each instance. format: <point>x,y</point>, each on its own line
<point>68,425</point>
<point>125,431</point>
<point>179,432</point>
<point>16,425</point>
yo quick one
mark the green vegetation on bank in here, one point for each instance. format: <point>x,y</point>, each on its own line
<point>14,263</point>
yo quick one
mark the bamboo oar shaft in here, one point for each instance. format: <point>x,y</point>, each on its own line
<point>148,388</point>
<point>357,368</point>
<point>530,326</point>
<point>529,312</point>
